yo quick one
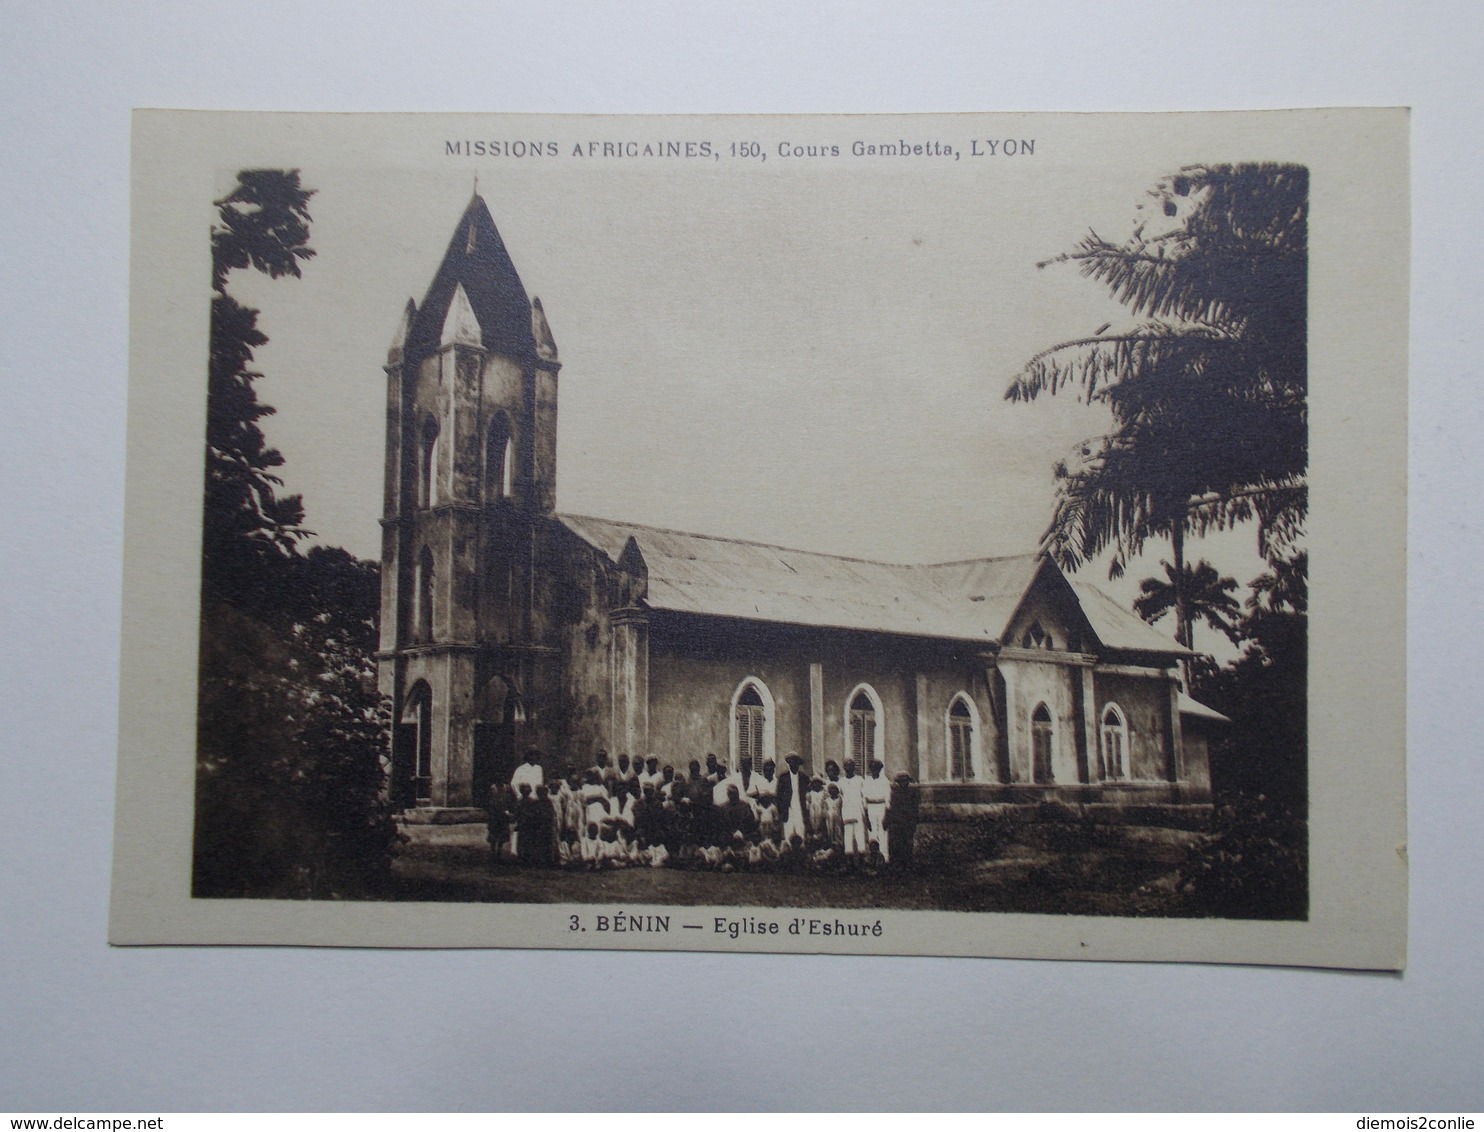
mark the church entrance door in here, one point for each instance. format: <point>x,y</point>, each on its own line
<point>495,739</point>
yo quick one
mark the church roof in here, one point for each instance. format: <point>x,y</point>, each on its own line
<point>1193,707</point>
<point>961,601</point>
<point>476,259</point>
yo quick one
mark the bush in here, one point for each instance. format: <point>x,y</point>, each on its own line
<point>1256,866</point>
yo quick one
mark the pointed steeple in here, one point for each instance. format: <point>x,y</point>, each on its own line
<point>476,262</point>
<point>404,328</point>
<point>541,330</point>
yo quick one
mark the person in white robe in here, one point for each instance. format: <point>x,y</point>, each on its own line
<point>876,793</point>
<point>853,810</point>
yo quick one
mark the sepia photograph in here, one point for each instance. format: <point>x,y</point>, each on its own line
<point>791,519</point>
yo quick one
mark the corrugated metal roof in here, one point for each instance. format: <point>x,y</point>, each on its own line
<point>1191,706</point>
<point>962,601</point>
<point>1120,628</point>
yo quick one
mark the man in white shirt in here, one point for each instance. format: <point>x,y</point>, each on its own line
<point>723,782</point>
<point>594,797</point>
<point>853,811</point>
<point>650,775</point>
<point>763,788</point>
<point>792,786</point>
<point>876,793</point>
<point>626,772</point>
<point>529,773</point>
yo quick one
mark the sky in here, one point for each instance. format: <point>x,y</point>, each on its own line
<point>807,354</point>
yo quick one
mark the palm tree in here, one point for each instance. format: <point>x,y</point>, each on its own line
<point>1205,595</point>
<point>1208,392</point>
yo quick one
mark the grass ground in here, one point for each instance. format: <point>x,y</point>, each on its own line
<point>1132,878</point>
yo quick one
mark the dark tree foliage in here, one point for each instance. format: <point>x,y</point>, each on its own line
<point>1208,390</point>
<point>263,223</point>
<point>1208,393</point>
<point>1208,597</point>
<point>1257,865</point>
<point>1265,691</point>
<point>290,731</point>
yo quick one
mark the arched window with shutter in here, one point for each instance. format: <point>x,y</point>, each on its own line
<point>1115,743</point>
<point>963,740</point>
<point>419,712</point>
<point>1043,744</point>
<point>865,728</point>
<point>753,725</point>
<point>750,718</point>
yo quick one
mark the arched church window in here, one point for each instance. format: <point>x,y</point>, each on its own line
<point>960,740</point>
<point>863,729</point>
<point>427,465</point>
<point>1115,743</point>
<point>751,718</point>
<point>1043,743</point>
<point>422,601</point>
<point>420,707</point>
<point>499,459</point>
<point>752,725</point>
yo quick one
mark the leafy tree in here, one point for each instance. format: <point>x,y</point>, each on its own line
<point>1207,391</point>
<point>290,731</point>
<point>1257,863</point>
<point>263,223</point>
<point>1208,395</point>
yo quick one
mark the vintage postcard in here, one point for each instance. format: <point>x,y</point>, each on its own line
<point>975,534</point>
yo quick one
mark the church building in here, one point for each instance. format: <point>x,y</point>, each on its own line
<point>506,624</point>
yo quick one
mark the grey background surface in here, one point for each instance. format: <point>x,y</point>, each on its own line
<point>86,1027</point>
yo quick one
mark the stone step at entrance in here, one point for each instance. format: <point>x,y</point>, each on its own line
<point>442,815</point>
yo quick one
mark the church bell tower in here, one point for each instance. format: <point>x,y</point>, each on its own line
<point>470,484</point>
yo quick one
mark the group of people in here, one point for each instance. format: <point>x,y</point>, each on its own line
<point>639,813</point>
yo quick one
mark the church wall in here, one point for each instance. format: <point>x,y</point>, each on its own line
<point>868,662</point>
<point>1196,747</point>
<point>543,443</point>
<point>694,675</point>
<point>940,686</point>
<point>502,388</point>
<point>461,431</point>
<point>1029,683</point>
<point>696,666</point>
<point>1145,703</point>
<point>576,598</point>
<point>429,398</point>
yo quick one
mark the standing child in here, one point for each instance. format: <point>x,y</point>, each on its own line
<point>767,818</point>
<point>594,798</point>
<point>853,812</point>
<point>833,824</point>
